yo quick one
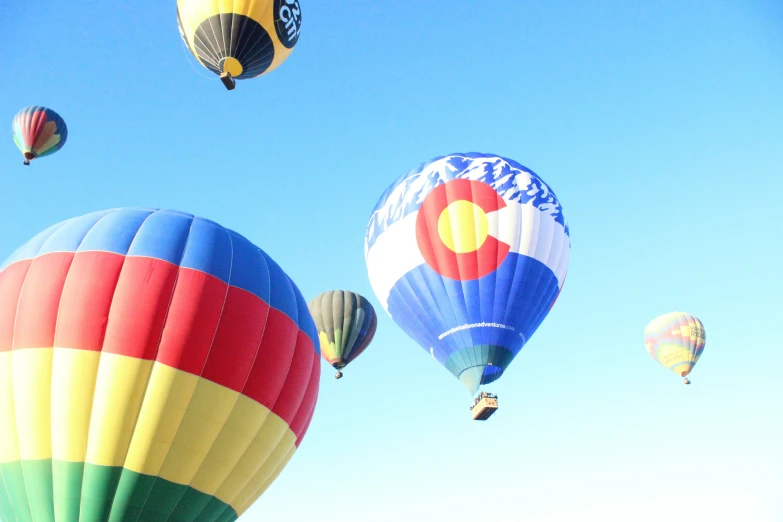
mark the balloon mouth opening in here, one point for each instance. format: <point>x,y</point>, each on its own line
<point>339,365</point>
<point>29,155</point>
<point>491,374</point>
<point>231,66</point>
<point>475,377</point>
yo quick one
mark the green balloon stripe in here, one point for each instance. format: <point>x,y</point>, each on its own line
<point>58,491</point>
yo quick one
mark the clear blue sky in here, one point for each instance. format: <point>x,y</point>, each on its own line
<point>660,128</point>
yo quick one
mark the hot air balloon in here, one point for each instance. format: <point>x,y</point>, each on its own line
<point>467,253</point>
<point>239,39</point>
<point>38,132</point>
<point>346,324</point>
<point>153,366</point>
<point>676,340</point>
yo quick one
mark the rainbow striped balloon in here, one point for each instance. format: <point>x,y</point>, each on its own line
<point>153,366</point>
<point>676,340</point>
<point>38,132</point>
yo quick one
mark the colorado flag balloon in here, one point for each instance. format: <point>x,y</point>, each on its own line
<point>153,366</point>
<point>676,340</point>
<point>468,253</point>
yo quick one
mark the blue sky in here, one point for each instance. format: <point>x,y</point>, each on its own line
<point>659,127</point>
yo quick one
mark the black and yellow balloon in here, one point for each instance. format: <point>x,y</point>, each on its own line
<point>239,39</point>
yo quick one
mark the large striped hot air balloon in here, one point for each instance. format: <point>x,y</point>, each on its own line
<point>239,39</point>
<point>676,340</point>
<point>346,324</point>
<point>467,253</point>
<point>38,132</point>
<point>153,366</point>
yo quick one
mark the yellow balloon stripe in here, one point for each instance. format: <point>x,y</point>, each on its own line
<point>73,390</point>
<point>263,479</point>
<point>169,393</point>
<point>9,442</point>
<point>32,396</point>
<point>248,421</point>
<point>258,464</point>
<point>119,391</point>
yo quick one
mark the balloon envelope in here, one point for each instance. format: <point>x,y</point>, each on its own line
<point>246,38</point>
<point>346,324</point>
<point>467,253</point>
<point>38,132</point>
<point>153,366</point>
<point>676,340</point>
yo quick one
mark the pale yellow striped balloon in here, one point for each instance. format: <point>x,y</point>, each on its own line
<point>676,340</point>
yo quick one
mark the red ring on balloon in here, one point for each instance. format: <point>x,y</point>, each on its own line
<point>460,266</point>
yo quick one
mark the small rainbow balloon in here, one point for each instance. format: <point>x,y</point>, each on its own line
<point>676,340</point>
<point>38,132</point>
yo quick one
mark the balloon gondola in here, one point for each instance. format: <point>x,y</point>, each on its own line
<point>228,80</point>
<point>484,406</point>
